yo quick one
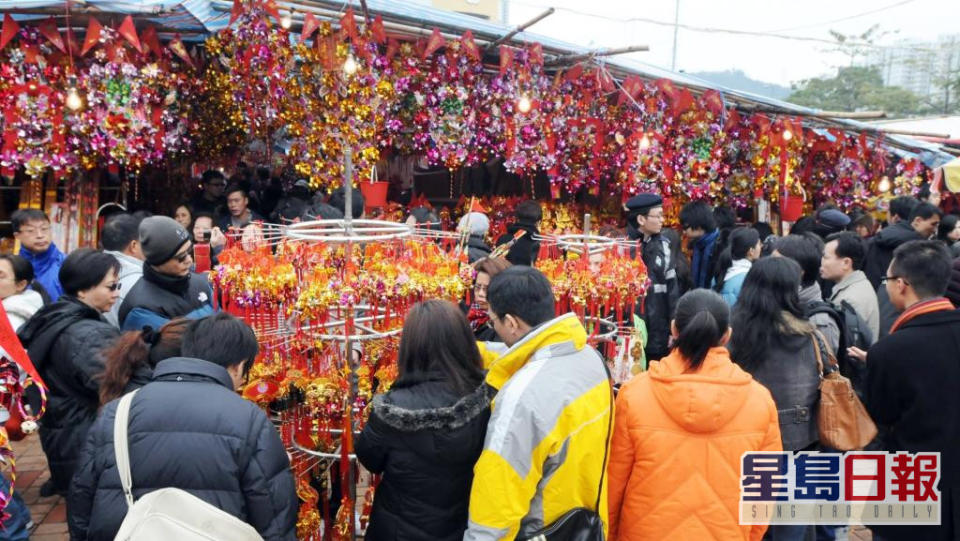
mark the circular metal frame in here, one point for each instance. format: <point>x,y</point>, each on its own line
<point>607,336</point>
<point>366,333</point>
<point>342,231</point>
<point>595,243</point>
<point>319,454</point>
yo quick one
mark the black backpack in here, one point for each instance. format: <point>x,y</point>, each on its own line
<point>854,332</point>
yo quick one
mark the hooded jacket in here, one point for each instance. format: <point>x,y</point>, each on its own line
<point>46,269</point>
<point>22,306</point>
<point>157,298</point>
<point>131,270</point>
<point>913,394</point>
<point>543,454</point>
<point>881,247</point>
<point>64,341</point>
<point>424,439</point>
<point>677,442</point>
<point>188,429</point>
<point>526,249</point>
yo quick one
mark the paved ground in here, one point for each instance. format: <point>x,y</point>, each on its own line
<point>50,514</point>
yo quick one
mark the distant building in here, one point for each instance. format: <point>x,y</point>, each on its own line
<point>920,66</point>
<point>491,10</point>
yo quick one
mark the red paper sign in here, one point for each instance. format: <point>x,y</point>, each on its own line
<point>435,42</point>
<point>469,46</point>
<point>348,25</point>
<point>506,58</point>
<point>50,31</point>
<point>129,32</point>
<point>310,25</point>
<point>377,31</point>
<point>10,29</point>
<point>152,42</point>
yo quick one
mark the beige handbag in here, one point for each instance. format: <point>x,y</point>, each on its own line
<point>844,423</point>
<point>169,513</point>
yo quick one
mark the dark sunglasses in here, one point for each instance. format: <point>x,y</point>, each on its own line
<point>182,257</point>
<point>114,287</point>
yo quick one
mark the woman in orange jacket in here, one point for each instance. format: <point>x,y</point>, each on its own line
<point>680,430</point>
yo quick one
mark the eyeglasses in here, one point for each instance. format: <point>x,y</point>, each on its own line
<point>481,288</point>
<point>34,230</point>
<point>114,287</point>
<point>655,216</point>
<point>886,279</point>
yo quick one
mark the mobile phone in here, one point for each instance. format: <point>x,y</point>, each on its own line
<point>206,236</point>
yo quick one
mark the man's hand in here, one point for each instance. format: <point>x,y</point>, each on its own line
<point>857,353</point>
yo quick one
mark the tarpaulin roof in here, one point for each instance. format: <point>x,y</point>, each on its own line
<point>187,16</point>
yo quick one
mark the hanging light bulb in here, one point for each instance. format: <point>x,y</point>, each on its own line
<point>74,102</point>
<point>524,104</point>
<point>287,20</point>
<point>350,65</point>
<point>644,142</point>
<point>787,134</point>
<point>884,185</point>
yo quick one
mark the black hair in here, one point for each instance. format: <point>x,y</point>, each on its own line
<point>770,292</point>
<point>924,192</point>
<point>425,218</point>
<point>698,215</point>
<point>764,229</point>
<point>144,214</point>
<point>741,240</point>
<point>338,200</point>
<point>947,224</point>
<point>725,217</point>
<point>22,217</point>
<point>528,212</point>
<point>805,224</point>
<point>85,268</point>
<point>222,340</point>
<point>212,174</point>
<point>924,211</point>
<point>235,187</point>
<point>807,251</point>
<point>119,231</point>
<point>903,206</point>
<point>702,318</point>
<point>23,270</point>
<point>437,338</point>
<point>522,292</point>
<point>865,220</point>
<point>322,211</point>
<point>925,265</point>
<point>850,245</point>
<point>684,275</point>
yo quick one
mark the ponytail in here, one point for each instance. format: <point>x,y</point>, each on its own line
<point>121,359</point>
<point>702,319</point>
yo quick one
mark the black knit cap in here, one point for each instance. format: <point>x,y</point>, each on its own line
<point>161,238</point>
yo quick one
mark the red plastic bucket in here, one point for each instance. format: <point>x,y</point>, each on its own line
<point>374,193</point>
<point>792,209</point>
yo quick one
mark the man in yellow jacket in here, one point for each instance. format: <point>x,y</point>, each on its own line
<point>548,431</point>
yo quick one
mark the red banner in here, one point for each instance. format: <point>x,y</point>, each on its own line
<point>435,42</point>
<point>310,25</point>
<point>377,32</point>
<point>50,31</point>
<point>506,58</point>
<point>152,42</point>
<point>10,29</point>
<point>129,32</point>
<point>348,25</point>
<point>469,46</point>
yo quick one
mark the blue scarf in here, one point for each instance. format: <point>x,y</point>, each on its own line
<point>46,267</point>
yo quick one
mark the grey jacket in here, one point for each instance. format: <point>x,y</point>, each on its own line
<point>131,270</point>
<point>856,290</point>
<point>822,321</point>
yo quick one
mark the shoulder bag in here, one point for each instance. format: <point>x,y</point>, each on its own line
<point>843,422</point>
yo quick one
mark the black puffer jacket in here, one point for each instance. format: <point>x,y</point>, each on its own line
<point>424,439</point>
<point>477,248</point>
<point>64,341</point>
<point>188,429</point>
<point>658,308</point>
<point>526,249</point>
<point>881,247</point>
<point>953,286</point>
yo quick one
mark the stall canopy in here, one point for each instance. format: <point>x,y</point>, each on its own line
<point>196,18</point>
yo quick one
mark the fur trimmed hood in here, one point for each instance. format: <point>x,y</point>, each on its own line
<point>452,417</point>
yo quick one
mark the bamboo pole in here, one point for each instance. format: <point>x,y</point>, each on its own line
<point>520,28</point>
<point>573,58</point>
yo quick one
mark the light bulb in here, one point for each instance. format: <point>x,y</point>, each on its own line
<point>74,102</point>
<point>884,185</point>
<point>787,135</point>
<point>523,104</point>
<point>350,65</point>
<point>644,142</point>
<point>286,21</point>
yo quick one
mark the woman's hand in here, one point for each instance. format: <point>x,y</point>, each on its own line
<point>217,238</point>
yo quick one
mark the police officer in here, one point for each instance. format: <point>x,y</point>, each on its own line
<point>644,223</point>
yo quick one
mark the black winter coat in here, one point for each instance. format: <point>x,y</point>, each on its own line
<point>157,298</point>
<point>526,249</point>
<point>477,248</point>
<point>424,439</point>
<point>913,394</point>
<point>188,429</point>
<point>953,286</point>
<point>64,341</point>
<point>880,250</point>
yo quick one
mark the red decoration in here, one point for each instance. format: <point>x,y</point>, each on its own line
<point>310,25</point>
<point>150,39</point>
<point>377,31</point>
<point>176,45</point>
<point>235,11</point>
<point>435,42</point>
<point>129,32</point>
<point>50,31</point>
<point>469,46</point>
<point>506,58</point>
<point>10,29</point>
<point>348,25</point>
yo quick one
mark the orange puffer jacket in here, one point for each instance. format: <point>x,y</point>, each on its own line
<point>678,437</point>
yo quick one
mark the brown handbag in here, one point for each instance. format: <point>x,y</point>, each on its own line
<point>844,423</point>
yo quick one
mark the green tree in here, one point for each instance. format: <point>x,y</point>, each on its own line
<point>855,88</point>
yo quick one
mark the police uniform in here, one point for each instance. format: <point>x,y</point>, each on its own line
<point>663,291</point>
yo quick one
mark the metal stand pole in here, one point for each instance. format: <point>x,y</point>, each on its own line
<point>348,337</point>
